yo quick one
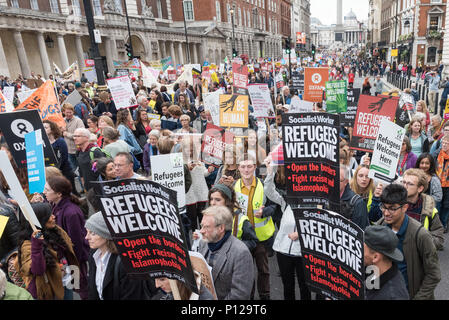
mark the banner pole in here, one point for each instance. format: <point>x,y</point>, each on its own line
<point>174,289</point>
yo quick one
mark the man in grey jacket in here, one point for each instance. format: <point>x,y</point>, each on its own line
<point>421,267</point>
<point>231,261</point>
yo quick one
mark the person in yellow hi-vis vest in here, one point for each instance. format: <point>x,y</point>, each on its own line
<point>260,217</point>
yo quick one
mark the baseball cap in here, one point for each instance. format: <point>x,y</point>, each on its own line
<point>382,239</point>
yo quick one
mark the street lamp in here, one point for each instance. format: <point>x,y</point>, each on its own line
<point>234,51</point>
<point>185,31</point>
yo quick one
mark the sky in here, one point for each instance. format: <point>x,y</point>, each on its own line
<point>326,10</point>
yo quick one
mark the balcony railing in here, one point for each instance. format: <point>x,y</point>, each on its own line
<point>434,34</point>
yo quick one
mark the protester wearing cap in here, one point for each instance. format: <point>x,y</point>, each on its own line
<point>108,279</point>
<point>420,268</point>
<point>381,252</point>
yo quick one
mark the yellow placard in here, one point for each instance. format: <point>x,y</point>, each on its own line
<point>234,110</point>
<point>394,52</point>
<point>3,222</point>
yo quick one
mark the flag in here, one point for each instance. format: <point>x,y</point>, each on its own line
<point>45,101</point>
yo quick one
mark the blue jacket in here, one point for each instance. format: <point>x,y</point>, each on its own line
<point>127,135</point>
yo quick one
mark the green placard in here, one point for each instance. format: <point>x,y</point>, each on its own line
<point>336,96</point>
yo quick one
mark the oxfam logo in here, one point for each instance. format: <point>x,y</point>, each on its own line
<point>316,78</point>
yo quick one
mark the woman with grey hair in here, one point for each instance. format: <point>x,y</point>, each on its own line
<point>112,142</point>
<point>155,124</point>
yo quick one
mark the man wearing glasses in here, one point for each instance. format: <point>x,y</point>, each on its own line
<point>421,206</point>
<point>420,267</point>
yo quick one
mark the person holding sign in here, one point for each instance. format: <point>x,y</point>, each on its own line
<point>286,243</point>
<point>407,158</point>
<point>46,257</point>
<point>231,261</point>
<point>107,276</point>
<point>106,107</point>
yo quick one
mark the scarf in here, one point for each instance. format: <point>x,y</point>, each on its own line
<point>443,168</point>
<point>217,245</point>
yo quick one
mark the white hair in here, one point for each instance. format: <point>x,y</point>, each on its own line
<point>154,122</point>
<point>83,131</point>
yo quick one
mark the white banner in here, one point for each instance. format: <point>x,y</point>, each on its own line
<point>122,92</point>
<point>168,170</point>
<point>212,104</point>
<point>387,150</point>
<point>261,100</point>
<point>298,106</point>
<point>8,92</point>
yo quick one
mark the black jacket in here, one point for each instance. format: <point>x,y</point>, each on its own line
<point>391,286</point>
<point>101,107</point>
<point>130,289</point>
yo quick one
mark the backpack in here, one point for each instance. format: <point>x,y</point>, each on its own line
<point>13,274</point>
<point>92,150</point>
<point>347,207</point>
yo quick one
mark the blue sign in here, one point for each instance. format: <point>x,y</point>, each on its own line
<point>35,161</point>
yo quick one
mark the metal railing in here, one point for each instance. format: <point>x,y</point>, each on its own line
<point>402,83</point>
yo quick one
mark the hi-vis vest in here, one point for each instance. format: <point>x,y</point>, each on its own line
<point>264,227</point>
<point>241,219</point>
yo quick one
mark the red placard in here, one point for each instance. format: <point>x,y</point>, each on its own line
<point>370,111</point>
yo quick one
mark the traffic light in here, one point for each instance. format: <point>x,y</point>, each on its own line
<point>313,52</point>
<point>129,51</point>
<point>287,46</point>
<point>234,53</point>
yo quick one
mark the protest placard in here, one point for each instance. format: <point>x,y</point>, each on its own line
<point>212,104</point>
<point>311,158</point>
<point>168,170</point>
<point>214,144</point>
<point>347,118</point>
<point>299,106</point>
<point>8,92</point>
<point>74,98</point>
<point>370,111</point>
<point>122,92</point>
<point>3,222</point>
<point>5,104</point>
<point>336,100</point>
<point>261,100</point>
<point>298,82</point>
<point>405,109</point>
<point>234,110</point>
<point>16,191</point>
<point>144,221</point>
<point>314,83</point>
<point>35,161</point>
<point>14,127</point>
<point>332,249</point>
<point>45,101</point>
<point>387,151</point>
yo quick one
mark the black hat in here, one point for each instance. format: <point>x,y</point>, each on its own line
<point>201,109</point>
<point>382,239</point>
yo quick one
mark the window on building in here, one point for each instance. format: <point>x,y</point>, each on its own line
<point>218,10</point>
<point>240,17</point>
<point>118,5</point>
<point>431,54</point>
<point>228,10</point>
<point>188,10</point>
<point>159,8</point>
<point>434,22</point>
<point>54,6</point>
<point>97,8</point>
<point>76,8</point>
<point>34,5</point>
